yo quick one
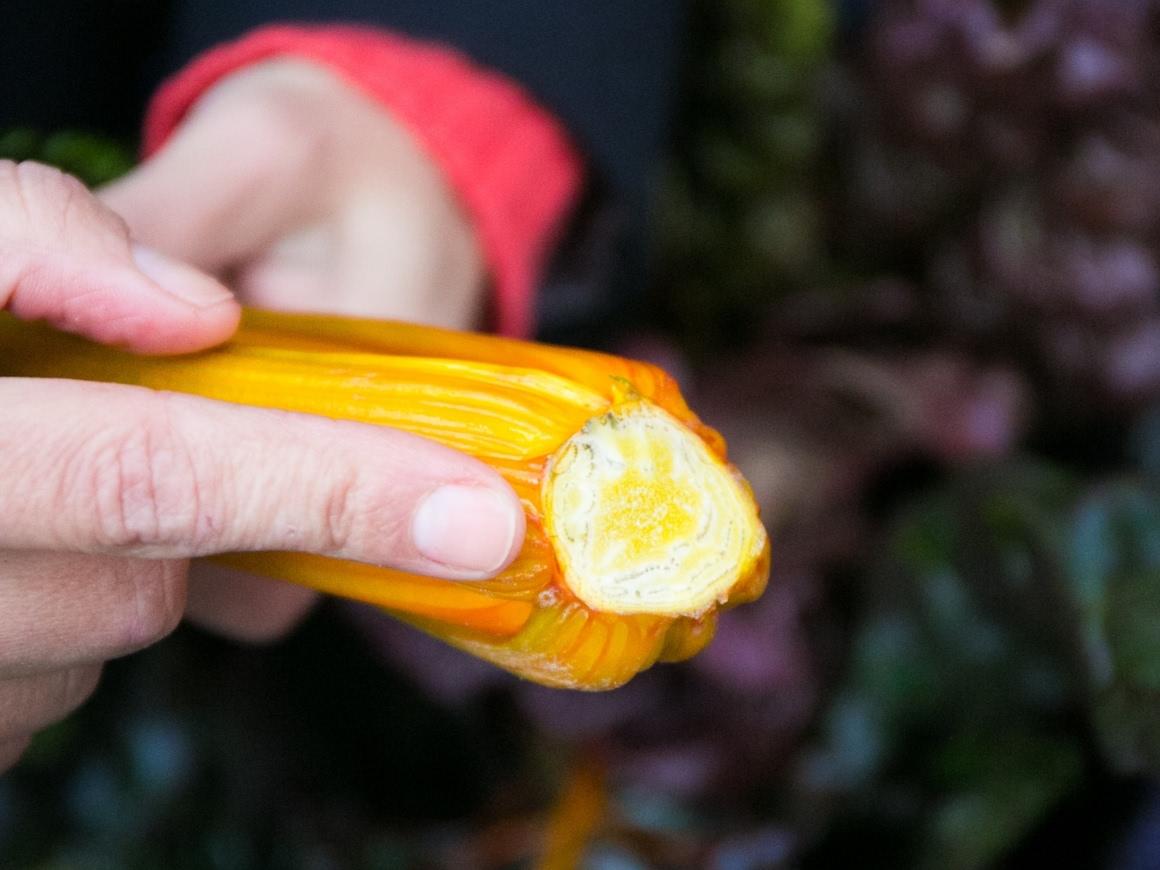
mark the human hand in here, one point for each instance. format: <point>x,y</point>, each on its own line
<point>109,490</point>
<point>306,195</point>
<point>301,194</point>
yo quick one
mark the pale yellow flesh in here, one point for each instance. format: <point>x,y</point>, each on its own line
<point>645,518</point>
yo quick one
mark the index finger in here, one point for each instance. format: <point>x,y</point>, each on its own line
<point>102,468</point>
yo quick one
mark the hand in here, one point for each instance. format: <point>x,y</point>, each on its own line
<point>305,195</point>
<point>109,490</point>
<point>302,194</point>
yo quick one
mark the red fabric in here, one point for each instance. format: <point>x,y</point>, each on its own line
<point>510,162</point>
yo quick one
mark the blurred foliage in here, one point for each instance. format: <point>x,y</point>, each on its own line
<point>1012,604</point>
<point>915,249</point>
<point>92,158</point>
<point>741,213</point>
<point>1004,158</point>
<point>205,755</point>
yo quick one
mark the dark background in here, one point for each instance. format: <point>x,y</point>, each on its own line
<point>906,255</point>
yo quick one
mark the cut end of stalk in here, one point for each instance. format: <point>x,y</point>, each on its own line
<point>645,518</point>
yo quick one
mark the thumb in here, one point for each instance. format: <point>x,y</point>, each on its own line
<point>67,259</point>
<point>231,180</point>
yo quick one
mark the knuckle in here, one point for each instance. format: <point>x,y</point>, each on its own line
<point>42,194</point>
<point>255,113</point>
<point>340,513</point>
<point>144,484</point>
<point>48,182</point>
<point>42,207</point>
<point>273,113</point>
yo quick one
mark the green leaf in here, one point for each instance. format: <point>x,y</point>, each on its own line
<point>1133,628</point>
<point>93,159</point>
<point>1145,443</point>
<point>20,143</point>
<point>1006,784</point>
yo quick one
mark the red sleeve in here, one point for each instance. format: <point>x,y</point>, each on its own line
<point>509,161</point>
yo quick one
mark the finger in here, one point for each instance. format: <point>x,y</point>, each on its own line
<point>160,475</point>
<point>30,703</point>
<point>11,750</point>
<point>244,606</point>
<point>231,179</point>
<point>63,609</point>
<point>67,259</point>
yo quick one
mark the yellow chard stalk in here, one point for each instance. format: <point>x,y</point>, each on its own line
<point>639,530</point>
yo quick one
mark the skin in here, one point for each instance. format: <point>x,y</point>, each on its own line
<point>287,185</point>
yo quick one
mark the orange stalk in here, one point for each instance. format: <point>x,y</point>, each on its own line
<point>639,530</point>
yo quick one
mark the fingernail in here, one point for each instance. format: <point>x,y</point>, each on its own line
<point>466,528</point>
<point>177,279</point>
